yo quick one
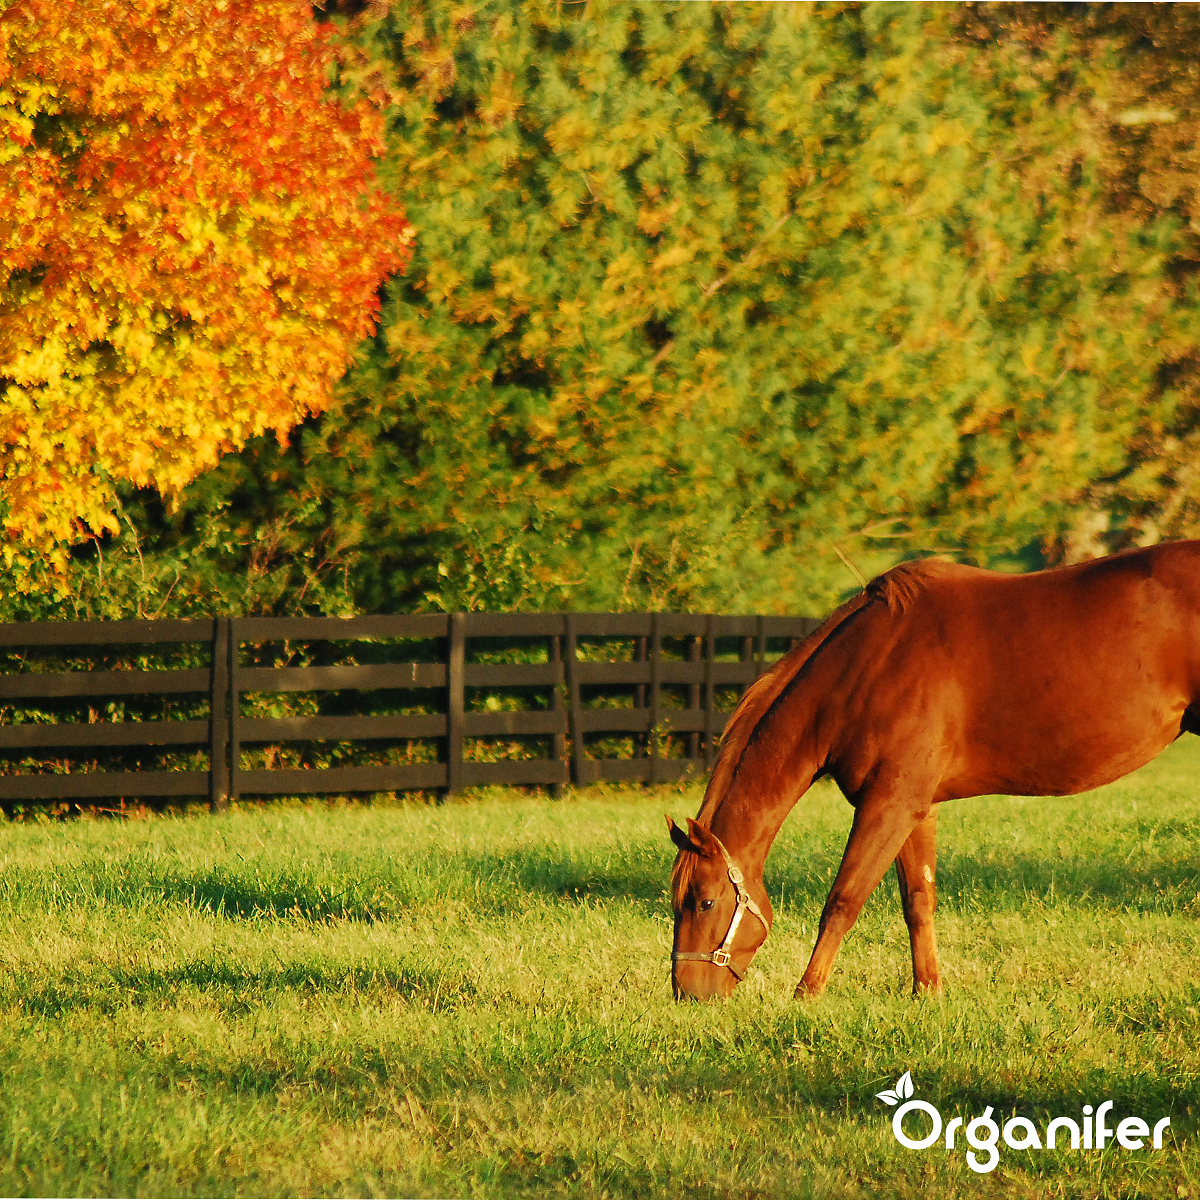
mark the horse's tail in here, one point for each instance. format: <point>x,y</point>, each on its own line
<point>759,697</point>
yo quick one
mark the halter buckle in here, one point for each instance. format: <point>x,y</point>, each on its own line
<point>720,958</point>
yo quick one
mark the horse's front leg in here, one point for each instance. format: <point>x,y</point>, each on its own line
<point>884,817</point>
<point>916,869</point>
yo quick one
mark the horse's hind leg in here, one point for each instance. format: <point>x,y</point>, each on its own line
<point>916,866</point>
<point>883,820</point>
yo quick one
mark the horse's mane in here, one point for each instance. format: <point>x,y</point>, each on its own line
<point>896,589</point>
<point>756,702</point>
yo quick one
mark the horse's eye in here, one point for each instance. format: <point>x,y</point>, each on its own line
<point>705,905</point>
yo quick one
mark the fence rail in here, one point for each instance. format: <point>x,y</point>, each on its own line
<point>570,687</point>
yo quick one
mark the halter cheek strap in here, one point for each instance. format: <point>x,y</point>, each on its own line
<point>720,957</point>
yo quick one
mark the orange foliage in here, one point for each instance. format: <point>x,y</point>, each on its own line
<point>191,243</point>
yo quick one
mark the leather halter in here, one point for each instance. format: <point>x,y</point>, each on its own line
<point>720,957</point>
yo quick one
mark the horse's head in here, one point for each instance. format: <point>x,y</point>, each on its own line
<point>713,945</point>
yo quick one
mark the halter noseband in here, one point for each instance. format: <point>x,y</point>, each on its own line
<point>720,957</point>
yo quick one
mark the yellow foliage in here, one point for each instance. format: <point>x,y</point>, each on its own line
<point>182,220</point>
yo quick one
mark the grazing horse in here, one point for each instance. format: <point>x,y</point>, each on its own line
<point>937,682</point>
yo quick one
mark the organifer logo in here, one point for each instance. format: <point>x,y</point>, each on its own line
<point>1019,1133</point>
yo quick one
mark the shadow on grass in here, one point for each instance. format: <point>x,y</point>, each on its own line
<point>1006,880</point>
<point>237,987</point>
<point>502,884</point>
<point>228,895</point>
<point>1164,886</point>
<point>508,883</point>
<point>494,885</point>
<point>705,1075</point>
<point>565,876</point>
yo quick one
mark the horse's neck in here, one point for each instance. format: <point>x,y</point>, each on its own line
<point>749,816</point>
<point>780,760</point>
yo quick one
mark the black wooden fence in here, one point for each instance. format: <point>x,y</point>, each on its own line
<point>583,696</point>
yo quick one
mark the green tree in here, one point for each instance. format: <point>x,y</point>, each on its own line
<point>706,301</point>
<point>1137,68</point>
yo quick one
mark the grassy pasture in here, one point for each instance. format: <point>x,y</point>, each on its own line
<point>472,1000</point>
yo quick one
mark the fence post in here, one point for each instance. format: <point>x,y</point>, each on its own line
<point>580,767</point>
<point>558,740</point>
<point>235,706</point>
<point>694,651</point>
<point>642,745</point>
<point>761,665</point>
<point>218,717</point>
<point>455,678</point>
<point>655,696</point>
<point>710,694</point>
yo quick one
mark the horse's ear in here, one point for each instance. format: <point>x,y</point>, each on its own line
<point>702,840</point>
<point>697,839</point>
<point>678,836</point>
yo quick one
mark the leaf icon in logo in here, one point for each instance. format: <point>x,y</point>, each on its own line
<point>904,1085</point>
<point>887,1097</point>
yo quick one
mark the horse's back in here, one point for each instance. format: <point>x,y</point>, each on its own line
<point>1050,682</point>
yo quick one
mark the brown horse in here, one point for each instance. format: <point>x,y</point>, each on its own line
<point>937,682</point>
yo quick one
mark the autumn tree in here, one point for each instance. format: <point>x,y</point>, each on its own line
<point>191,243</point>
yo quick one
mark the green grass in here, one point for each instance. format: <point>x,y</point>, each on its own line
<point>472,1000</point>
